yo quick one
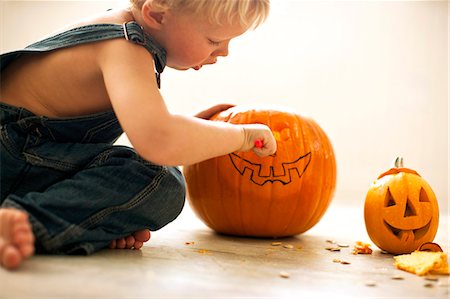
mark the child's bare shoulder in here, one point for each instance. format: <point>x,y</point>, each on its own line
<point>108,17</point>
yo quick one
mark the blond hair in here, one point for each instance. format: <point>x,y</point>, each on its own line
<point>249,13</point>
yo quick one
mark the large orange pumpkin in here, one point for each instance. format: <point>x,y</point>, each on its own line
<point>401,211</point>
<point>280,195</point>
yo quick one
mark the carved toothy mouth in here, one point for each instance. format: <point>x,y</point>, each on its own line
<point>404,234</point>
<point>261,175</point>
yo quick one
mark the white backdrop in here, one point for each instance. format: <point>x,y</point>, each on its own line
<point>373,74</point>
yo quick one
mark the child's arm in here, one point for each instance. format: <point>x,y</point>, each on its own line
<point>155,133</point>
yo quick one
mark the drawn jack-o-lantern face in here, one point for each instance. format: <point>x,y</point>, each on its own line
<point>279,195</point>
<point>401,211</point>
<point>290,161</point>
<point>260,173</point>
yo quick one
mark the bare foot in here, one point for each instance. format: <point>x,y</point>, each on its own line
<point>16,238</point>
<point>136,240</point>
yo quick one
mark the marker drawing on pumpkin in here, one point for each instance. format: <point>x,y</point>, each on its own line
<point>260,175</point>
<point>246,195</point>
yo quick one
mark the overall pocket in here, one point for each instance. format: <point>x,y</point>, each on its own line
<point>67,157</point>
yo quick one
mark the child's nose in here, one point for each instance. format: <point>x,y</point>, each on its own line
<point>222,51</point>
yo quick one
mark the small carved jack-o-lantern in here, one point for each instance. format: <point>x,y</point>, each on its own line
<point>401,211</point>
<point>279,195</point>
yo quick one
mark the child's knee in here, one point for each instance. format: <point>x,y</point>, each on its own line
<point>171,198</point>
<point>177,190</point>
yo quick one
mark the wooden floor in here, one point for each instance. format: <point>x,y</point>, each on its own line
<point>187,260</point>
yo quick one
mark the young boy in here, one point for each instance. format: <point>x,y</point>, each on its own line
<point>65,188</point>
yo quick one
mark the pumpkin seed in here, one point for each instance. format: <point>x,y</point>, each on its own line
<point>333,248</point>
<point>331,241</point>
<point>345,263</point>
<point>397,277</point>
<point>370,283</point>
<point>336,260</point>
<point>428,285</point>
<point>343,245</point>
<point>276,243</point>
<point>431,278</point>
<point>284,274</point>
<point>289,246</point>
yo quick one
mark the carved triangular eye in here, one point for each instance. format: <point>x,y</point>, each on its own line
<point>423,197</point>
<point>409,209</point>
<point>389,200</point>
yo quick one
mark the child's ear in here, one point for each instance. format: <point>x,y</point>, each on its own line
<point>151,17</point>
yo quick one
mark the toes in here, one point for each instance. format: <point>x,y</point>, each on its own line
<point>24,243</point>
<point>20,216</point>
<point>121,243</point>
<point>136,240</point>
<point>22,227</point>
<point>130,242</point>
<point>27,250</point>
<point>3,245</point>
<point>23,238</point>
<point>138,245</point>
<point>112,244</point>
<point>142,235</point>
<point>16,238</point>
<point>11,258</point>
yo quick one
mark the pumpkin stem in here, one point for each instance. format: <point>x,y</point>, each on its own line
<point>398,162</point>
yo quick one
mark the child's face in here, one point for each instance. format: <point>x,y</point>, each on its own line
<point>191,42</point>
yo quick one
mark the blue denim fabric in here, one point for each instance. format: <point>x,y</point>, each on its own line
<point>79,189</point>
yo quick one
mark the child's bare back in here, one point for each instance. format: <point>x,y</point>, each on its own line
<point>65,82</point>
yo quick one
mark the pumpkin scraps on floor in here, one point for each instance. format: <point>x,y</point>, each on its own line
<point>429,259</point>
<point>361,248</point>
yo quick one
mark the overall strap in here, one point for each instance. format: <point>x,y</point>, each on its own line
<point>91,33</point>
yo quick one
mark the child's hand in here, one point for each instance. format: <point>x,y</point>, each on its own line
<point>259,139</point>
<point>208,113</point>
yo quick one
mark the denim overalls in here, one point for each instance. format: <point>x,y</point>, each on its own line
<point>79,189</point>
